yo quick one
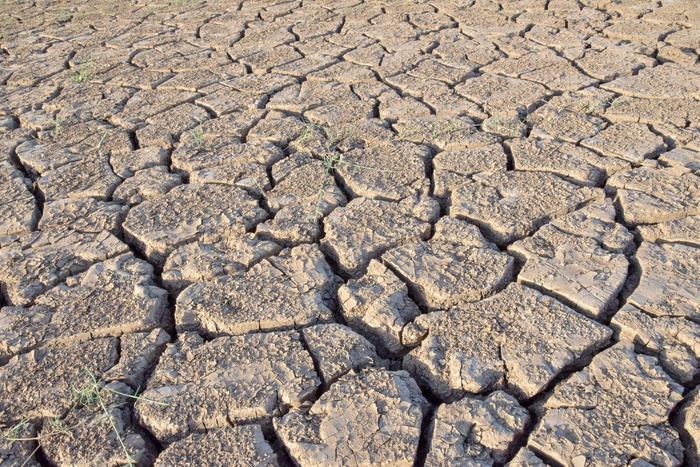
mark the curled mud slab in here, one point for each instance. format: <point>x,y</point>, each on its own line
<point>358,232</point>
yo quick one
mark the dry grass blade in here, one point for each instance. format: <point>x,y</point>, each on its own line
<point>88,396</point>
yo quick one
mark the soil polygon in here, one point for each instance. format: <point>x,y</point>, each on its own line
<point>511,205</point>
<point>475,347</point>
<point>619,393</point>
<point>238,378</point>
<point>385,225</point>
<point>373,417</point>
<point>349,233</point>
<point>290,290</point>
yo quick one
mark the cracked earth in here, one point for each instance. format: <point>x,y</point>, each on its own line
<point>356,232</point>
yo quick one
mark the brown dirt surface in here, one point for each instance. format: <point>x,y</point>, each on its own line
<point>355,232</point>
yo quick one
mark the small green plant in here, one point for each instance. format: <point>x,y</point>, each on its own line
<point>592,106</point>
<point>83,72</point>
<point>405,133</point>
<point>88,395</point>
<point>439,130</point>
<point>589,107</point>
<point>14,432</point>
<point>308,132</point>
<point>98,146</point>
<point>331,160</point>
<point>58,125</point>
<point>63,14</point>
<point>330,155</point>
<point>502,125</point>
<point>197,134</point>
<point>493,123</point>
